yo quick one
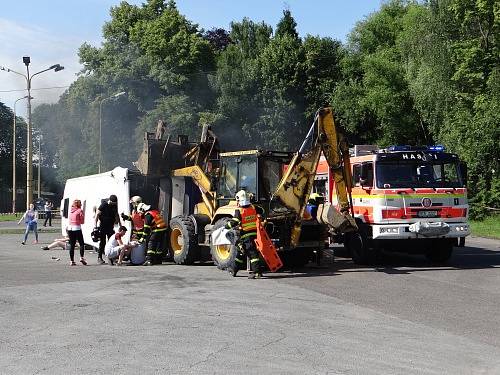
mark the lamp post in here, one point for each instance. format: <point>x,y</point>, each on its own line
<point>39,164</point>
<point>118,94</point>
<point>29,152</point>
<point>14,157</point>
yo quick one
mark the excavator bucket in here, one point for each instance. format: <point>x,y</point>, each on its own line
<point>267,248</point>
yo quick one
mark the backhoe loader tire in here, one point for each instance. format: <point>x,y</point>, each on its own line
<point>224,256</point>
<point>183,240</point>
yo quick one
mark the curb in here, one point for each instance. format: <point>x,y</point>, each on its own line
<point>22,230</point>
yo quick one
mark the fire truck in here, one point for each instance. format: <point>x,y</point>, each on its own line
<point>404,198</point>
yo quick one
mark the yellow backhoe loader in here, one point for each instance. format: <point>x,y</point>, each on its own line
<point>198,183</point>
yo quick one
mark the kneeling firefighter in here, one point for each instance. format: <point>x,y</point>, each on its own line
<point>245,219</point>
<point>153,233</point>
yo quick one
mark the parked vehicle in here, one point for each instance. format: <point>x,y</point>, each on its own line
<point>410,199</point>
<point>94,189</point>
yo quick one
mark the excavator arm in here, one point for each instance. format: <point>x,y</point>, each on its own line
<point>296,185</point>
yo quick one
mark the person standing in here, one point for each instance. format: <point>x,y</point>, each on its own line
<point>76,219</point>
<point>30,217</point>
<point>135,217</point>
<point>48,213</point>
<point>107,216</point>
<point>245,220</point>
<point>153,234</point>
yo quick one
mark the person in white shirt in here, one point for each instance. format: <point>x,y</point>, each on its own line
<point>115,248</point>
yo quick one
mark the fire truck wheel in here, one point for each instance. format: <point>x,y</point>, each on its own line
<point>224,256</point>
<point>440,251</point>
<point>358,245</point>
<point>183,241</point>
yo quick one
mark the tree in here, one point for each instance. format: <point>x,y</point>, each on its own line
<point>218,38</point>
<point>287,26</point>
<point>374,101</point>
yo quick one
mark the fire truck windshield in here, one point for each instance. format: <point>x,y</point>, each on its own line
<point>417,174</point>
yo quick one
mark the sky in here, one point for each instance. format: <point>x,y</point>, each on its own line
<point>50,32</point>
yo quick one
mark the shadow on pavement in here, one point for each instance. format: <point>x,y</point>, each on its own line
<point>401,263</point>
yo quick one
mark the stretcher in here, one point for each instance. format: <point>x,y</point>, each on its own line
<point>267,248</point>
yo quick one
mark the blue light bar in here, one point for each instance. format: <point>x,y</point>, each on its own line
<point>436,148</point>
<point>399,148</point>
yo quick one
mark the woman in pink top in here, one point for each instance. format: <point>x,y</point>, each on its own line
<point>76,219</point>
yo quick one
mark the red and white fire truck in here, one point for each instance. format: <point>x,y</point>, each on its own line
<point>404,198</point>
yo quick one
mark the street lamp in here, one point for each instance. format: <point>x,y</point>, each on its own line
<point>29,151</point>
<point>39,163</point>
<point>14,157</point>
<point>118,94</point>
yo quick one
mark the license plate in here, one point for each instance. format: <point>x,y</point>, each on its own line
<point>427,213</point>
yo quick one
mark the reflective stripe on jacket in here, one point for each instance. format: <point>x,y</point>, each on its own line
<point>246,219</point>
<point>153,222</point>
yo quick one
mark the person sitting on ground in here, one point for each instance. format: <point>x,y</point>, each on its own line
<point>116,249</point>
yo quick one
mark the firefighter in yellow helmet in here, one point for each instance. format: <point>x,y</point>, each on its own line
<point>313,202</point>
<point>245,219</point>
<point>153,233</point>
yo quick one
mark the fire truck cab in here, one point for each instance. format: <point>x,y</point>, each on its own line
<point>405,198</point>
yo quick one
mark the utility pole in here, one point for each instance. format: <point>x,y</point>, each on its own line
<point>14,188</point>
<point>39,164</point>
<point>29,145</point>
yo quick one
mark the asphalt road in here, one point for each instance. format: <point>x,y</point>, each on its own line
<point>406,317</point>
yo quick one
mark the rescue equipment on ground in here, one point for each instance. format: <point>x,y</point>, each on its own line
<point>267,248</point>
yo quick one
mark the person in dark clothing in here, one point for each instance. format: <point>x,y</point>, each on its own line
<point>153,234</point>
<point>48,213</point>
<point>245,220</point>
<point>107,216</point>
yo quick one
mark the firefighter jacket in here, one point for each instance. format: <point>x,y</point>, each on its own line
<point>245,219</point>
<point>153,223</point>
<point>136,219</point>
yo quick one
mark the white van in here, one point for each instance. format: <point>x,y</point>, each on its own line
<point>92,191</point>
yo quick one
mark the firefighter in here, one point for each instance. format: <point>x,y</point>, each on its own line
<point>135,217</point>
<point>245,220</point>
<point>153,233</point>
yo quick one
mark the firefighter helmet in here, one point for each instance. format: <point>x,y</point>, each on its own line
<point>135,200</point>
<point>96,234</point>
<point>315,198</point>
<point>143,207</point>
<point>243,198</point>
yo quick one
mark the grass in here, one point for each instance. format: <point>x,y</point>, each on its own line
<point>10,217</point>
<point>489,227</point>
